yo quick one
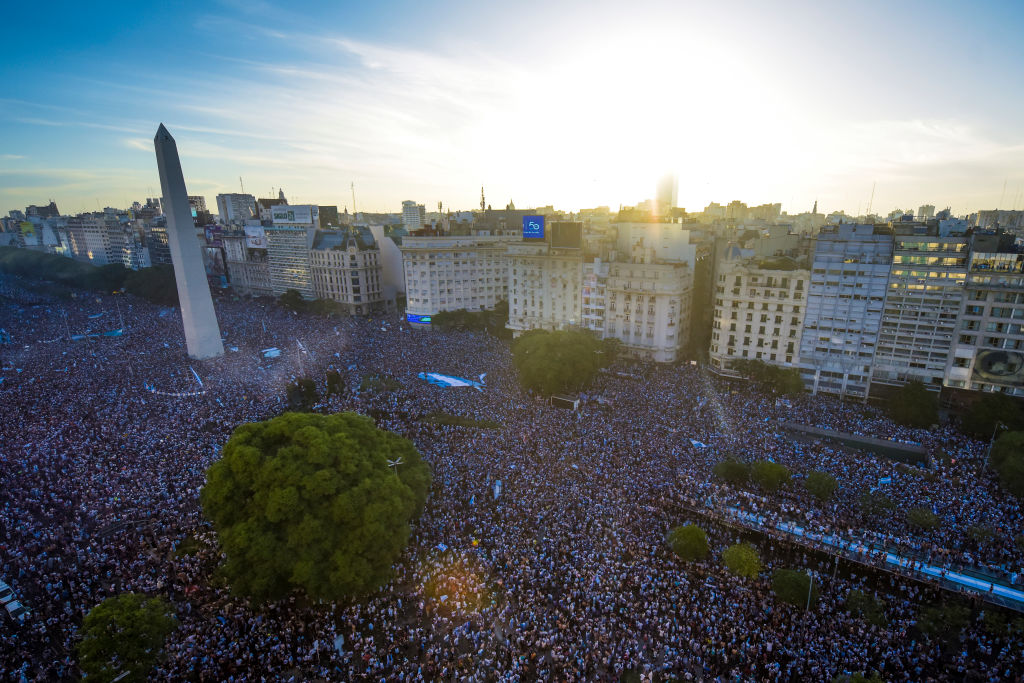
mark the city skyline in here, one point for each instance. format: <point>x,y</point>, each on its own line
<point>541,106</point>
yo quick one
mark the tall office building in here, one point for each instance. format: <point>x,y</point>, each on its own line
<point>922,303</point>
<point>849,279</point>
<point>413,215</point>
<point>236,208</point>
<point>667,196</point>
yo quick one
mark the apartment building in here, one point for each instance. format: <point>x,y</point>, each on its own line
<point>849,280</point>
<point>988,354</point>
<point>759,310</point>
<point>450,273</point>
<point>923,301</point>
<point>346,267</point>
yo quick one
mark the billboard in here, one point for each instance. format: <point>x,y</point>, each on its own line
<point>567,235</point>
<point>533,227</point>
<point>999,367</point>
<point>304,214</point>
<point>255,238</point>
<point>27,229</point>
<point>417,319</point>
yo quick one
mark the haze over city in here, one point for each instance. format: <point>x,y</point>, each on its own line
<point>576,105</point>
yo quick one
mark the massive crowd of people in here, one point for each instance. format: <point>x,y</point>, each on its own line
<point>561,572</point>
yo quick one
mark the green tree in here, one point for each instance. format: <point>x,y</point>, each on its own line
<point>324,307</point>
<point>792,586</point>
<point>689,542</point>
<point>876,503</point>
<point>913,405</point>
<point>1007,460</point>
<point>922,518</point>
<point>859,677</point>
<point>733,471</point>
<point>943,620</point>
<point>550,362</point>
<point>124,633</point>
<point>742,559</point>
<point>981,418</point>
<point>308,501</point>
<point>334,383</point>
<point>302,394</point>
<point>821,484</point>
<point>770,476</point>
<point>156,284</point>
<point>770,377</point>
<point>293,301</point>
<point>863,605</point>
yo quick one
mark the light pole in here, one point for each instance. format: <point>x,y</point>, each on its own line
<point>810,588</point>
<point>991,442</point>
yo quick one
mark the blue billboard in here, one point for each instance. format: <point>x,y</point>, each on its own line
<point>533,227</point>
<point>417,318</point>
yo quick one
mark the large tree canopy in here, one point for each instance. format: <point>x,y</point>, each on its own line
<point>913,405</point>
<point>550,362</point>
<point>309,501</point>
<point>124,635</point>
<point>991,409</point>
<point>1008,461</point>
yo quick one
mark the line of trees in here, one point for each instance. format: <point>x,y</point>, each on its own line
<point>770,377</point>
<point>155,284</point>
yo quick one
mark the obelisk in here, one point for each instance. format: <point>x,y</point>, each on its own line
<point>202,333</point>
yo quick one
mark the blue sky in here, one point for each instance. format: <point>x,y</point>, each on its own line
<point>571,104</point>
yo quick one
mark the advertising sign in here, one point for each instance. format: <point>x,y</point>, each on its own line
<point>27,229</point>
<point>417,318</point>
<point>255,238</point>
<point>302,214</point>
<point>999,367</point>
<point>533,227</point>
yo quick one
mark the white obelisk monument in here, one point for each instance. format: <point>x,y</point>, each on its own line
<point>202,333</point>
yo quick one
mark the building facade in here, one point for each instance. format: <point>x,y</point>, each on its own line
<point>451,273</point>
<point>346,267</point>
<point>988,353</point>
<point>236,208</point>
<point>758,314</point>
<point>849,279</point>
<point>922,304</point>
<point>288,249</point>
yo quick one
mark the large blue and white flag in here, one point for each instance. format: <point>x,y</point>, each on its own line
<point>448,381</point>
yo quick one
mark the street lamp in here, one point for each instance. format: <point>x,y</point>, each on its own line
<point>395,463</point>
<point>991,441</point>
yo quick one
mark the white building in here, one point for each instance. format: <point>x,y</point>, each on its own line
<point>849,279</point>
<point>452,273</point>
<point>922,304</point>
<point>288,258</point>
<point>236,208</point>
<point>413,215</point>
<point>544,287</point>
<point>648,308</point>
<point>758,313</point>
<point>246,260</point>
<point>346,267</point>
<point>988,353</point>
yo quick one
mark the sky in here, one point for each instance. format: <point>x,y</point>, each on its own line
<point>574,104</point>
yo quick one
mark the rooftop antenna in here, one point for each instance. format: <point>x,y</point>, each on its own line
<point>240,184</point>
<point>1002,196</point>
<point>872,200</point>
<point>354,212</point>
<point>483,204</point>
